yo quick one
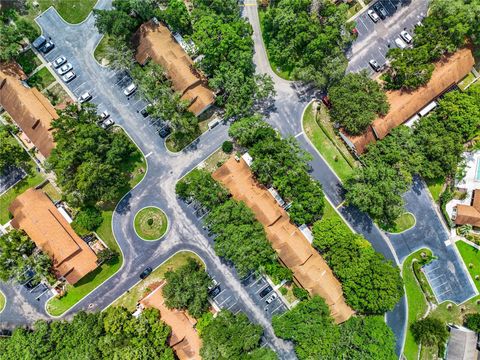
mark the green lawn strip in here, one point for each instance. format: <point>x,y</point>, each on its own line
<point>471,258</point>
<point>417,304</point>
<point>41,79</point>
<point>329,212</point>
<point>100,50</point>
<point>28,61</point>
<point>136,165</point>
<point>449,312</point>
<point>325,146</point>
<point>73,12</point>
<point>3,301</point>
<point>129,299</point>
<point>404,222</point>
<point>52,193</point>
<point>150,223</point>
<point>285,73</point>
<point>435,187</point>
<point>466,81</point>
<point>353,9</point>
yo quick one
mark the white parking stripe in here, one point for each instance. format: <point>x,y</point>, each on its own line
<point>150,153</point>
<point>277,307</point>
<point>78,86</point>
<point>223,302</point>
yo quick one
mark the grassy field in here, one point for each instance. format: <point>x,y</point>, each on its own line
<point>52,193</point>
<point>329,212</point>
<point>467,80</point>
<point>404,222</point>
<point>41,79</point>
<point>417,304</point>
<point>130,299</point>
<point>73,12</point>
<point>56,94</point>
<point>136,165</point>
<point>3,301</point>
<point>28,61</point>
<point>214,160</point>
<point>100,50</point>
<point>324,145</point>
<point>435,187</point>
<point>150,223</point>
<point>471,258</point>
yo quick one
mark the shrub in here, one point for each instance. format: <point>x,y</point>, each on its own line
<point>89,218</point>
<point>300,293</point>
<point>227,147</point>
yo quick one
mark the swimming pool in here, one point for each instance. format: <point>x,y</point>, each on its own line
<point>477,174</point>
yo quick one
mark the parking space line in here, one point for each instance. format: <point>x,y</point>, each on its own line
<point>281,303</point>
<point>150,153</point>
<point>78,87</point>
<point>231,306</point>
<point>436,277</point>
<point>264,289</point>
<point>260,278</point>
<point>223,302</point>
<point>36,287</point>
<point>39,296</point>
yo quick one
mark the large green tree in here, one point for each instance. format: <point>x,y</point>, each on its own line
<point>13,31</point>
<point>430,332</point>
<point>356,102</point>
<point>230,336</point>
<point>11,153</point>
<point>187,288</point>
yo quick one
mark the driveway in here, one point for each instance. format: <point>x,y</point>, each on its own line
<point>375,39</point>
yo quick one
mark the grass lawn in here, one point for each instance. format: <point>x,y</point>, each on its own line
<point>41,79</point>
<point>73,12</point>
<point>352,10</point>
<point>404,222</point>
<point>324,145</point>
<point>435,187</point>
<point>100,50</point>
<point>150,223</point>
<point>417,304</point>
<point>32,179</point>
<point>130,298</point>
<point>28,61</point>
<point>471,258</point>
<point>2,301</point>
<point>136,166</point>
<point>283,73</point>
<point>52,193</point>
<point>329,212</point>
<point>214,161</point>
<point>56,94</point>
<point>467,80</point>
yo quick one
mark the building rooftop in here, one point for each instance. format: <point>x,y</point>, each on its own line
<point>469,214</point>
<point>405,104</point>
<point>34,213</point>
<point>462,345</point>
<point>155,42</point>
<point>184,339</point>
<point>294,250</point>
<point>30,110</point>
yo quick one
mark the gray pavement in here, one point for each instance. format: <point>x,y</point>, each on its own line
<point>10,177</point>
<point>375,39</point>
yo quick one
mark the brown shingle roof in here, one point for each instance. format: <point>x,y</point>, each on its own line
<point>156,42</point>
<point>309,269</point>
<point>469,214</point>
<point>405,104</point>
<point>34,213</point>
<point>184,339</point>
<point>30,110</point>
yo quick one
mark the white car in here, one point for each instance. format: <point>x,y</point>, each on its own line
<point>400,43</point>
<point>373,15</point>
<point>65,68</point>
<point>374,64</point>
<point>107,123</point>
<point>104,115</point>
<point>271,298</point>
<point>130,89</point>
<point>59,61</point>
<point>406,36</point>
<point>69,76</point>
<point>84,97</point>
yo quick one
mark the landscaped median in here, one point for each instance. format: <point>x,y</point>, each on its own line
<point>150,223</point>
<point>404,222</point>
<point>471,258</point>
<point>3,301</point>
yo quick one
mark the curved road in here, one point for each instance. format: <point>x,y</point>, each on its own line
<point>77,42</point>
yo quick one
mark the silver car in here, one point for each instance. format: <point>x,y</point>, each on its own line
<point>69,76</point>
<point>373,15</point>
<point>59,61</point>
<point>64,69</point>
<point>406,36</point>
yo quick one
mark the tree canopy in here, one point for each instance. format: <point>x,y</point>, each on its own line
<point>187,288</point>
<point>430,332</point>
<point>114,334</point>
<point>89,161</point>
<point>308,41</point>
<point>13,31</point>
<point>229,336</point>
<point>371,285</point>
<point>11,153</point>
<point>315,336</point>
<point>356,102</point>
<point>472,321</point>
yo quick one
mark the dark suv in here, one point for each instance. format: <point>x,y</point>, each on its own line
<point>378,7</point>
<point>145,273</point>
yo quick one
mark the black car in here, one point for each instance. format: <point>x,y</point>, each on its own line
<point>378,7</point>
<point>39,42</point>
<point>164,132</point>
<point>47,47</point>
<point>145,273</point>
<point>215,291</point>
<point>144,112</point>
<point>265,291</point>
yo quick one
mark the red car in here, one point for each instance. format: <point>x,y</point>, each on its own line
<point>326,101</point>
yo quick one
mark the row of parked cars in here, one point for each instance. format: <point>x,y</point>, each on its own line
<point>401,41</point>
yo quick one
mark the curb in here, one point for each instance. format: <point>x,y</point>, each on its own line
<point>166,217</point>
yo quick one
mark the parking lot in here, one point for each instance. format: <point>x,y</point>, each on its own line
<point>375,39</point>
<point>10,177</point>
<point>437,279</point>
<point>255,285</point>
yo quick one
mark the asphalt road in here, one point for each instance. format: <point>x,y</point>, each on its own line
<point>375,39</point>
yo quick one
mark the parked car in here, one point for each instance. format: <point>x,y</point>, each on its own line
<point>265,291</point>
<point>271,298</point>
<point>216,290</point>
<point>214,284</point>
<point>64,69</point>
<point>39,42</point>
<point>146,272</point>
<point>375,66</point>
<point>59,61</point>
<point>406,36</point>
<point>104,115</point>
<point>69,76</point>
<point>144,112</point>
<point>400,43</point>
<point>326,101</point>
<point>130,89</point>
<point>84,97</point>
<point>164,131</point>
<point>47,47</point>
<point>107,123</point>
<point>373,15</point>
<point>380,10</point>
